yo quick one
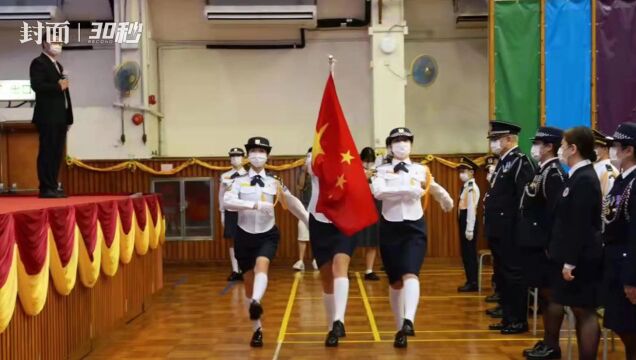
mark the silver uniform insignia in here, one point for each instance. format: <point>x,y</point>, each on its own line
<point>566,192</point>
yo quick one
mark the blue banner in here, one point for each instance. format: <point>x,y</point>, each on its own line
<point>568,63</point>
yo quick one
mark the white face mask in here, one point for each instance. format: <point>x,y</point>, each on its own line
<point>258,160</point>
<point>401,149</point>
<point>55,49</point>
<point>495,146</point>
<point>236,161</point>
<point>613,154</point>
<point>535,152</point>
<point>463,176</point>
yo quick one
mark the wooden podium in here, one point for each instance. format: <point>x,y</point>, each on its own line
<point>18,155</point>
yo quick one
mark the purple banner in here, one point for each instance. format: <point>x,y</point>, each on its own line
<point>616,63</point>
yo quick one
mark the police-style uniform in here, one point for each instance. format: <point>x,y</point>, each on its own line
<point>605,170</point>
<point>400,186</point>
<point>576,238</point>
<point>619,238</point>
<point>467,215</point>
<point>501,204</point>
<point>536,214</point>
<point>230,218</point>
<point>254,196</point>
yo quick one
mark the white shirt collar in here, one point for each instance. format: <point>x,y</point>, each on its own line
<point>50,57</point>
<point>628,171</point>
<point>541,165</point>
<point>604,162</point>
<point>508,152</point>
<point>254,173</point>
<point>577,166</point>
<point>396,161</point>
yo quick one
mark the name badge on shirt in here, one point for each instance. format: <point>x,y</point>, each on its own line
<point>566,192</point>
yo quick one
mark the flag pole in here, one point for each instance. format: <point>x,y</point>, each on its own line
<point>332,64</point>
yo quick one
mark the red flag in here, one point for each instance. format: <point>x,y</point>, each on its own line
<point>345,197</point>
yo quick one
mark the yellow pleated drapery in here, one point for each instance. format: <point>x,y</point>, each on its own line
<point>127,241</point>
<point>64,277</point>
<point>110,255</point>
<point>33,289</point>
<point>9,292</point>
<point>89,270</point>
<point>142,236</point>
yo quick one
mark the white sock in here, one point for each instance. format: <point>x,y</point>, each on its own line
<point>256,324</point>
<point>411,298</point>
<point>369,271</point>
<point>397,305</point>
<point>260,285</point>
<point>340,293</point>
<point>235,267</point>
<point>330,308</point>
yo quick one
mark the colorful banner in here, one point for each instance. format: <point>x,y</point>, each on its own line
<point>568,63</point>
<point>616,58</point>
<point>517,65</point>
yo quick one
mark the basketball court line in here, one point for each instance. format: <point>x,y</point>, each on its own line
<point>367,307</point>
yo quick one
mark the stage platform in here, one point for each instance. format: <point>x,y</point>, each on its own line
<point>72,246</point>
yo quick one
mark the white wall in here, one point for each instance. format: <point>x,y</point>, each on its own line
<point>451,115</point>
<point>95,134</point>
<point>216,99</point>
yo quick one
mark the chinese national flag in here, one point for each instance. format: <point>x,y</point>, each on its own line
<point>345,198</point>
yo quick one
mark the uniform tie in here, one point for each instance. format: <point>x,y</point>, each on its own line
<point>235,175</point>
<point>257,179</point>
<point>401,166</point>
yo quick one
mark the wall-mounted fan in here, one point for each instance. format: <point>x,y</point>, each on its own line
<point>424,70</point>
<point>127,77</point>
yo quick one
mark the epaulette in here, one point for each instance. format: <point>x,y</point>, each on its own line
<point>609,167</point>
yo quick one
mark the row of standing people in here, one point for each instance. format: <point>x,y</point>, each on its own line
<point>569,234</point>
<point>398,184</point>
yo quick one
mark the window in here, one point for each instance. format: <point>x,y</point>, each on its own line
<point>188,205</point>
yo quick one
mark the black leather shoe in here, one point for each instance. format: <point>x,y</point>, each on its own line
<point>544,352</point>
<point>371,276</point>
<point>407,328</point>
<point>61,193</point>
<point>469,287</point>
<point>257,339</point>
<point>496,312</point>
<point>234,276</point>
<point>256,310</point>
<point>538,345</point>
<point>515,328</point>
<point>49,195</point>
<point>339,329</point>
<point>497,327</point>
<point>400,340</point>
<point>493,298</point>
<point>332,339</point>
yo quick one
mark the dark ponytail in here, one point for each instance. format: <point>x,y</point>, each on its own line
<point>583,138</point>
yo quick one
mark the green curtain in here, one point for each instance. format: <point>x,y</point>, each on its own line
<point>517,64</point>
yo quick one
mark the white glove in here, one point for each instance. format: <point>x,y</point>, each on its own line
<point>469,235</point>
<point>415,192</point>
<point>265,207</point>
<point>447,204</point>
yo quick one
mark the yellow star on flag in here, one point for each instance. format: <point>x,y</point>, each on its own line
<point>317,148</point>
<point>341,181</point>
<point>346,157</point>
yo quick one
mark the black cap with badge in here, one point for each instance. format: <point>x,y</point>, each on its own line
<point>625,134</point>
<point>400,132</point>
<point>602,139</point>
<point>235,151</point>
<point>548,135</point>
<point>502,128</point>
<point>258,142</point>
<point>466,163</point>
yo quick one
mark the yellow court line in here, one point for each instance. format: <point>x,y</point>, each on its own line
<point>288,310</point>
<point>418,341</point>
<point>367,306</point>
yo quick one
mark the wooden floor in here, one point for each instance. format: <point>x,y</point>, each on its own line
<point>199,316</point>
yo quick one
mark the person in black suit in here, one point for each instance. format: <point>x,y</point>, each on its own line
<point>53,115</point>
<point>501,205</point>
<point>536,215</point>
<point>576,239</point>
<point>619,237</point>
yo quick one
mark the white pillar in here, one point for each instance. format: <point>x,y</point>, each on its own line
<point>389,75</point>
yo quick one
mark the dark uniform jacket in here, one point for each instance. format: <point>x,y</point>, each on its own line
<point>576,234</point>
<point>538,204</point>
<point>501,203</point>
